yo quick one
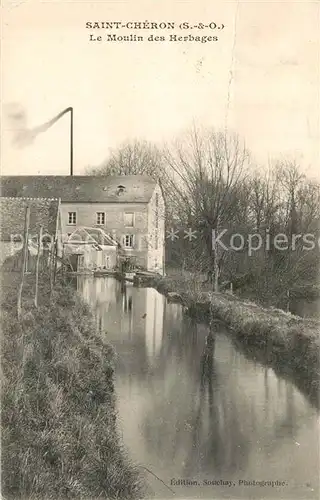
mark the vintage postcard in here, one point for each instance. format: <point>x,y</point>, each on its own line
<point>160,249</point>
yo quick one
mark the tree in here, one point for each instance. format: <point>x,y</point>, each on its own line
<point>132,158</point>
<point>204,176</point>
<point>283,202</point>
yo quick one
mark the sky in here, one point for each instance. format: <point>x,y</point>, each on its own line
<point>261,79</point>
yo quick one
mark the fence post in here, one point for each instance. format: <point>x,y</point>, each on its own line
<point>24,258</point>
<point>55,262</point>
<point>37,267</point>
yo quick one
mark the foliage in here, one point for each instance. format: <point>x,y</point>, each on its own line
<point>136,158</point>
<point>211,183</point>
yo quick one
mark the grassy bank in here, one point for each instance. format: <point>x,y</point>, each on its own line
<point>59,429</point>
<point>288,343</point>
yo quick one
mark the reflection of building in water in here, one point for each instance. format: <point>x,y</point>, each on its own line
<point>154,322</point>
<point>148,307</point>
<point>101,294</point>
<point>131,317</point>
<point>97,290</point>
<point>84,288</point>
<point>126,310</point>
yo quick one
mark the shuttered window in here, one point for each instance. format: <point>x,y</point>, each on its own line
<point>128,240</point>
<point>101,218</point>
<point>72,218</point>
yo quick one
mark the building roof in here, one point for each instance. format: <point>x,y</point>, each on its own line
<point>81,188</point>
<point>43,212</point>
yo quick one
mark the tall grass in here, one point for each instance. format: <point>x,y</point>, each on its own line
<point>189,285</point>
<point>59,425</point>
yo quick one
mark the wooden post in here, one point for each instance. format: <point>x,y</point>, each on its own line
<point>216,266</point>
<point>55,262</point>
<point>37,267</point>
<point>52,266</point>
<point>56,234</point>
<point>50,269</point>
<point>24,258</point>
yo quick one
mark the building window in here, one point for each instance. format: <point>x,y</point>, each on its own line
<point>128,240</point>
<point>157,200</point>
<point>72,218</point>
<point>101,218</point>
<point>129,219</point>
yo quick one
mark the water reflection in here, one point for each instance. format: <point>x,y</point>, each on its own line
<point>137,329</point>
<point>185,414</point>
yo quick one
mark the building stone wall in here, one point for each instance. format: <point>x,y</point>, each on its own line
<point>86,195</point>
<point>114,224</point>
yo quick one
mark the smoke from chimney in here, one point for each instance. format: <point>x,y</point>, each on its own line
<point>18,124</point>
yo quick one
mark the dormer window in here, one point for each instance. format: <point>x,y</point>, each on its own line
<point>120,189</point>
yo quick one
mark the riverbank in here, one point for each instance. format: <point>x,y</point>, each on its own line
<point>59,423</point>
<point>288,343</point>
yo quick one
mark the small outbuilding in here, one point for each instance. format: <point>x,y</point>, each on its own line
<point>90,249</point>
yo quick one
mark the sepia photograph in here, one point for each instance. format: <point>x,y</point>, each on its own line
<point>160,250</point>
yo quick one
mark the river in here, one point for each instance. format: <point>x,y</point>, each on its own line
<point>238,424</point>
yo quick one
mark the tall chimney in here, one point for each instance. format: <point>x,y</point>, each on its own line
<point>71,141</point>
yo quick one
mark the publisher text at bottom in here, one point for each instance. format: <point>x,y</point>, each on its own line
<point>228,484</point>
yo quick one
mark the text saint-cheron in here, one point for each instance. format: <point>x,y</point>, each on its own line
<point>133,25</point>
